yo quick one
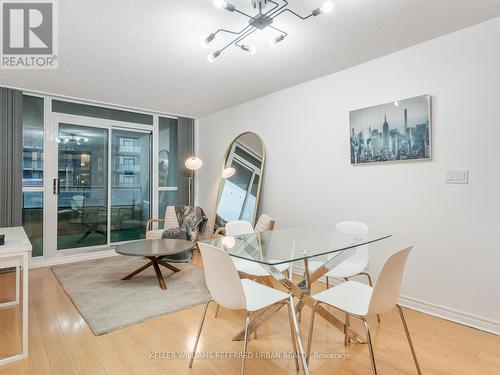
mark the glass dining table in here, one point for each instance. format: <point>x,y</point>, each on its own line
<point>325,244</point>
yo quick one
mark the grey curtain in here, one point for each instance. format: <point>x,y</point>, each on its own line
<point>11,156</point>
<point>185,137</point>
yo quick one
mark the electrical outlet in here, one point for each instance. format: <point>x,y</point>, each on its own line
<point>457,176</point>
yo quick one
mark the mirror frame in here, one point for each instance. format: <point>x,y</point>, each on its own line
<point>219,187</point>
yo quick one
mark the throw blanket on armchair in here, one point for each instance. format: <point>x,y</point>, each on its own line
<point>192,221</point>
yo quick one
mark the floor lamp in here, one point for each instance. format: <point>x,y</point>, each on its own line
<point>192,163</point>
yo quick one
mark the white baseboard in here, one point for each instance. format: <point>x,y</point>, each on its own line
<point>453,315</point>
<point>443,312</point>
<point>37,263</point>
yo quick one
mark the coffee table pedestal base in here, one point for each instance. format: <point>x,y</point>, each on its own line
<point>155,262</point>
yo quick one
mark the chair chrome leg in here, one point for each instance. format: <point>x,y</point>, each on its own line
<point>369,278</point>
<point>294,340</point>
<point>199,332</point>
<point>300,347</point>
<point>216,312</point>
<point>347,326</point>
<point>327,283</point>
<point>311,329</point>
<point>405,326</point>
<point>370,347</point>
<point>245,344</point>
<point>371,284</point>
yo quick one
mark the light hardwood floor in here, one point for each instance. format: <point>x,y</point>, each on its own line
<point>62,343</point>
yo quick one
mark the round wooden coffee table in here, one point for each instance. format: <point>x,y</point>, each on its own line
<point>154,250</point>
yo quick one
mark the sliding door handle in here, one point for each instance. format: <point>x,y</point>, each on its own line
<point>56,188</point>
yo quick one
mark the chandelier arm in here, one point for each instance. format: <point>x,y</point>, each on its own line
<point>235,42</point>
<point>281,31</point>
<point>243,37</point>
<point>231,32</point>
<point>276,5</point>
<point>243,13</point>
<point>237,39</point>
<point>291,11</point>
<point>272,12</point>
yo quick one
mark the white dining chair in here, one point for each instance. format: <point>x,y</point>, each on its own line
<point>360,300</point>
<point>238,228</point>
<point>231,292</point>
<point>354,265</point>
<point>265,222</point>
<point>247,267</point>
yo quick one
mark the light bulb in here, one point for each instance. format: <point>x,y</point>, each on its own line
<point>213,56</point>
<point>228,172</point>
<point>220,4</point>
<point>251,49</point>
<point>327,7</point>
<point>193,163</point>
<point>228,242</point>
<point>276,40</point>
<point>205,42</point>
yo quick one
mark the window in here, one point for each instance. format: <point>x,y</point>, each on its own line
<point>32,141</point>
<point>167,164</point>
<point>33,127</point>
<point>100,112</point>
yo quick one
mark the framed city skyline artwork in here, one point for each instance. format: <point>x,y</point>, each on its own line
<point>396,131</point>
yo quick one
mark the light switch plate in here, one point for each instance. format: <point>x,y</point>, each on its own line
<point>457,176</point>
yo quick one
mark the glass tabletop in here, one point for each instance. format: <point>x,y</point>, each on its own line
<point>291,244</point>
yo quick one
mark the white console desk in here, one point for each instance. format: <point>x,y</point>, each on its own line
<point>16,253</point>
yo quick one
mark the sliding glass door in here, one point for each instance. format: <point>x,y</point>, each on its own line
<point>93,175</point>
<point>130,184</point>
<point>82,186</point>
<point>100,190</point>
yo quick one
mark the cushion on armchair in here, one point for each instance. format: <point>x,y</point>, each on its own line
<point>179,234</point>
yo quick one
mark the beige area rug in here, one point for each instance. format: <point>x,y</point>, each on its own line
<point>108,303</point>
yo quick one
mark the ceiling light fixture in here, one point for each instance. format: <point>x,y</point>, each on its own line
<point>260,21</point>
<point>72,138</point>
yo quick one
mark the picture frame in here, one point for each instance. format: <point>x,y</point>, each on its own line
<point>397,131</point>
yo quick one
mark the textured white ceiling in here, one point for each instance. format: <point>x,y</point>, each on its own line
<point>147,53</point>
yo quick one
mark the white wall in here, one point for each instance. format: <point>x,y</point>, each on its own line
<point>454,270</point>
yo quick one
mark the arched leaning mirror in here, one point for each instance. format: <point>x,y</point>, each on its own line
<point>240,181</point>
